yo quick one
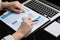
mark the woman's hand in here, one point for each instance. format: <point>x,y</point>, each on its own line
<point>13,6</point>
<point>26,26</point>
<point>24,29</point>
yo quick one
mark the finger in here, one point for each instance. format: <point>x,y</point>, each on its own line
<point>31,27</point>
<point>30,23</point>
<point>28,18</point>
<point>19,6</point>
<point>21,10</point>
<point>16,11</point>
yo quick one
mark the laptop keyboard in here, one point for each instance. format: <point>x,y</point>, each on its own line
<point>41,9</point>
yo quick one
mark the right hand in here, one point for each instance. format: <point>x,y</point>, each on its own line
<point>26,26</point>
<point>24,29</point>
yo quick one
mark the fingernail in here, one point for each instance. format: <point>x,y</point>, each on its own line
<point>21,11</point>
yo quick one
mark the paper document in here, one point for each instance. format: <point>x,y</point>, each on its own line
<point>14,20</point>
<point>54,29</point>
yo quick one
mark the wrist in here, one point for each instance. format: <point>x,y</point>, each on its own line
<point>5,4</point>
<point>17,35</point>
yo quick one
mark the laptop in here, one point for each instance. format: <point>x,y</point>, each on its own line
<point>37,10</point>
<point>44,8</point>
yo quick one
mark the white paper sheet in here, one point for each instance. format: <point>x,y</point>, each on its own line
<point>14,20</point>
<point>54,29</point>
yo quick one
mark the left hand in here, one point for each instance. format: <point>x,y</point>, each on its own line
<point>13,6</point>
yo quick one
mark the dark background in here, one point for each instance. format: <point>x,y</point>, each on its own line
<point>39,34</point>
<point>56,2</point>
<point>53,3</point>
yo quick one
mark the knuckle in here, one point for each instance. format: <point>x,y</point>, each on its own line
<point>30,26</point>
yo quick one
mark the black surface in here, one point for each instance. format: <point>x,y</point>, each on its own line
<point>21,1</point>
<point>56,2</point>
<point>5,30</point>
